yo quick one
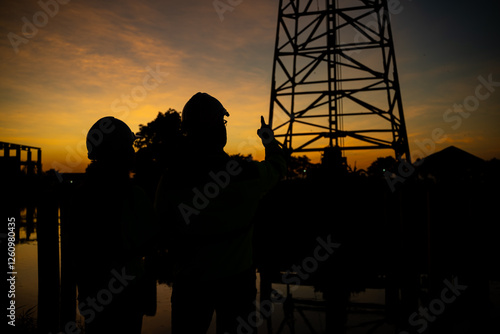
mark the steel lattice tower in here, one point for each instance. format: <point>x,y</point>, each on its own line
<point>335,82</point>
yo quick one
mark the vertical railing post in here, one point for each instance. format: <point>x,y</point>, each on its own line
<point>48,262</point>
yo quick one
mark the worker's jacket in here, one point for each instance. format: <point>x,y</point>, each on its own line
<point>112,228</point>
<point>206,204</point>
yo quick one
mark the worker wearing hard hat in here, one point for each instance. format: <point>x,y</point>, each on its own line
<point>112,226</point>
<point>206,202</point>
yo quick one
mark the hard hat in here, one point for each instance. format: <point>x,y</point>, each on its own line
<point>110,139</point>
<point>202,110</point>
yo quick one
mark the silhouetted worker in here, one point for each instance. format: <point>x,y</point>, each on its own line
<point>207,202</point>
<point>113,228</point>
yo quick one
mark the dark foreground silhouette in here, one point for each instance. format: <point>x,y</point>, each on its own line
<point>429,243</point>
<point>206,202</point>
<point>113,225</point>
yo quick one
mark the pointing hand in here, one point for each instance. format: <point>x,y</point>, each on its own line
<point>265,132</point>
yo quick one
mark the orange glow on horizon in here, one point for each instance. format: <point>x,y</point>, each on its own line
<point>132,60</point>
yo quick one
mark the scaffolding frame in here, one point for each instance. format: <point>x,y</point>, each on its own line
<point>31,166</point>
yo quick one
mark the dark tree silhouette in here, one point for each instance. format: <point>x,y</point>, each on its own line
<point>160,135</point>
<point>299,166</point>
<point>382,165</point>
<point>158,144</point>
<point>242,159</point>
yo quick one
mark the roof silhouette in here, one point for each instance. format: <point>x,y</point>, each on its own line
<point>451,162</point>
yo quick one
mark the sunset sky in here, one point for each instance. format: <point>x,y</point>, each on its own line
<point>131,59</point>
